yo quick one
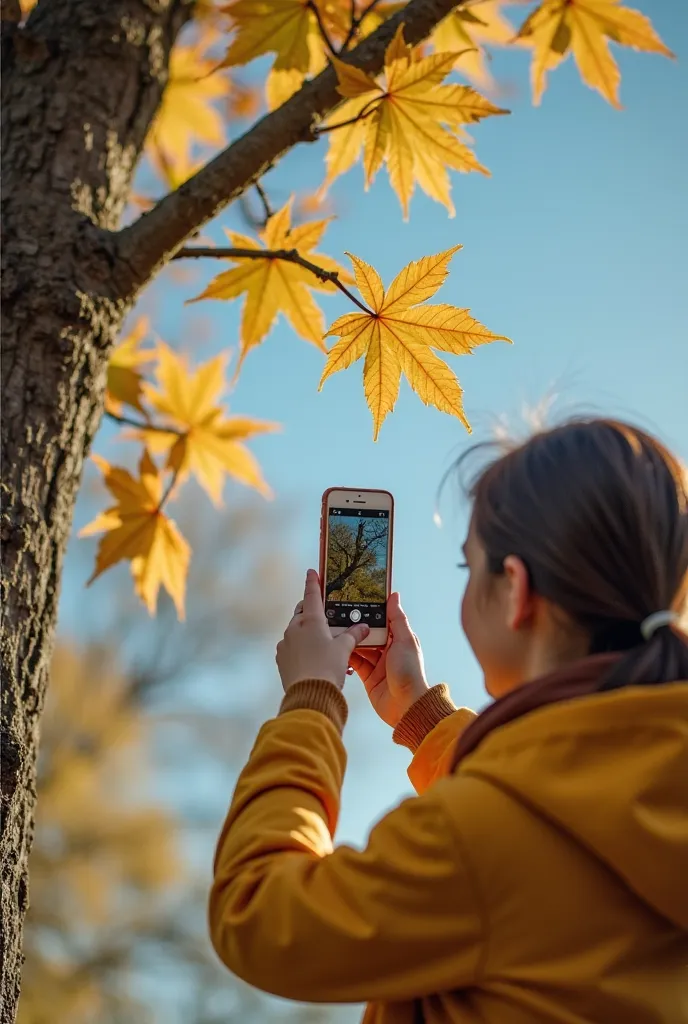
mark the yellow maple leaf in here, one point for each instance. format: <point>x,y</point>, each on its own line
<point>401,122</point>
<point>281,27</point>
<point>397,336</point>
<point>558,28</point>
<point>123,377</point>
<point>187,117</point>
<point>275,286</point>
<point>289,29</point>
<point>137,530</point>
<point>472,29</point>
<point>201,439</point>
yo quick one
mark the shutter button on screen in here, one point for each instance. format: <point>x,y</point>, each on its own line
<point>355,615</point>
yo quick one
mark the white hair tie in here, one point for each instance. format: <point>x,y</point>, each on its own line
<point>650,625</point>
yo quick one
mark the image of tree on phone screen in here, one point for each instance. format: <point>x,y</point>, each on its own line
<point>357,559</point>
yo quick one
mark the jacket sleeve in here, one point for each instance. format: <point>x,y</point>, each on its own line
<point>294,917</point>
<point>430,729</point>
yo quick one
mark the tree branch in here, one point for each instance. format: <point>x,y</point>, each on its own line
<point>288,255</point>
<point>151,241</point>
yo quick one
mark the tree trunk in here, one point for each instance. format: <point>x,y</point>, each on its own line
<point>80,85</point>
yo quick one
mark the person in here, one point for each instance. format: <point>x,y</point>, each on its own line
<point>541,873</point>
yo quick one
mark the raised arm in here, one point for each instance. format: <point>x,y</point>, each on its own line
<point>291,916</point>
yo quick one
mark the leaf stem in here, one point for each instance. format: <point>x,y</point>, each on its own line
<point>168,490</point>
<point>267,209</point>
<point>288,255</point>
<point>128,421</point>
<point>313,6</point>
<point>352,120</point>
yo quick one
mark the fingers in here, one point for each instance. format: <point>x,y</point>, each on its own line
<point>358,663</point>
<point>365,661</point>
<point>371,655</point>
<point>298,608</point>
<point>372,675</point>
<point>312,598</point>
<point>397,619</point>
<point>353,636</point>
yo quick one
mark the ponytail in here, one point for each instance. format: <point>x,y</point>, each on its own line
<point>661,659</point>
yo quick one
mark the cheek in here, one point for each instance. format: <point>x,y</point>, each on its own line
<point>481,625</point>
<point>469,616</point>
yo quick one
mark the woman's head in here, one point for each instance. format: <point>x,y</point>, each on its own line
<point>576,537</point>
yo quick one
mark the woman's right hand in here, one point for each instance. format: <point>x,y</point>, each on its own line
<point>394,678</point>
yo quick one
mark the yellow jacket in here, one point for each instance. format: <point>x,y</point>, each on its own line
<point>545,881</point>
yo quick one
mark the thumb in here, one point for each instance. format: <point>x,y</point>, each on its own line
<point>353,637</point>
<point>401,630</point>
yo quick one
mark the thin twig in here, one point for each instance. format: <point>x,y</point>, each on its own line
<point>127,421</point>
<point>356,21</point>
<point>352,120</point>
<point>268,210</point>
<point>288,255</point>
<point>170,487</point>
<point>312,5</point>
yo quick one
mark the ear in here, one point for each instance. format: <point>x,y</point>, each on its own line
<point>520,598</point>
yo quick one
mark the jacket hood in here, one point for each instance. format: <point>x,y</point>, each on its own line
<point>612,770</point>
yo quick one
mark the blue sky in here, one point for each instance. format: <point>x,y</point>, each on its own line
<point>575,248</point>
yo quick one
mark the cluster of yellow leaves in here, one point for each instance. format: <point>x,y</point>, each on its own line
<point>584,27</point>
<point>198,100</point>
<point>397,336</point>
<point>190,116</point>
<point>273,286</point>
<point>196,437</point>
<point>401,120</point>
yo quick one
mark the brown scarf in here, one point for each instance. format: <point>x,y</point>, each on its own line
<point>577,679</point>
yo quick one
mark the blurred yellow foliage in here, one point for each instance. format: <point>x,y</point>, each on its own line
<point>105,852</point>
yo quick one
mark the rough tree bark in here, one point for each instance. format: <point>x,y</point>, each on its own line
<point>80,85</point>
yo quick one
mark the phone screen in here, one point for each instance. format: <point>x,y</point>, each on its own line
<point>356,572</point>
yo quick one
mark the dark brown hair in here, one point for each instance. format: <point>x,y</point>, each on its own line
<point>598,512</point>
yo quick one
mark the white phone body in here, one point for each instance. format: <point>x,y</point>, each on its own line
<point>356,531</point>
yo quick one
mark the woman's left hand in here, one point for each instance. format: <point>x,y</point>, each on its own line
<point>308,650</point>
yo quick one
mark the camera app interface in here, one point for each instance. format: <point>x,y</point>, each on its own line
<point>357,553</point>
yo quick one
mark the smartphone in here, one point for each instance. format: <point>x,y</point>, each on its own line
<point>356,559</point>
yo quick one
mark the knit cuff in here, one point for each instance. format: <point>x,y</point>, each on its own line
<point>422,717</point>
<point>317,695</point>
